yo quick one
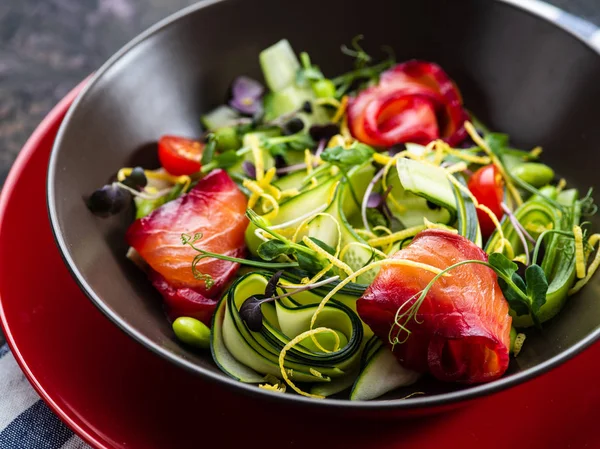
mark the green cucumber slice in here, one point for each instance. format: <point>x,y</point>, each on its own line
<point>382,373</point>
<point>283,320</point>
<point>427,181</point>
<point>410,207</point>
<point>220,117</point>
<point>279,65</point>
<point>221,355</point>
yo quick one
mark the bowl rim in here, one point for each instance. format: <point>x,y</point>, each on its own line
<point>438,400</point>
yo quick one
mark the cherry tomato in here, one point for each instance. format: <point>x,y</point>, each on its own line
<point>180,156</point>
<point>487,186</point>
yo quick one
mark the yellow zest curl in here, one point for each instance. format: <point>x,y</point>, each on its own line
<point>592,242</point>
<point>334,260</point>
<point>396,236</point>
<point>294,342</point>
<point>341,110</point>
<point>579,254</point>
<point>519,340</point>
<point>536,151</point>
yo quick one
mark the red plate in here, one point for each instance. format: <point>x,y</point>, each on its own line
<point>116,394</point>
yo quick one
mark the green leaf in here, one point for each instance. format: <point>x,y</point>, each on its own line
<point>355,155</point>
<point>278,149</point>
<point>271,249</point>
<point>227,159</point>
<point>321,244</point>
<point>497,142</point>
<point>308,262</point>
<point>301,142</point>
<point>503,264</point>
<point>537,287</point>
<point>514,299</point>
<point>209,149</point>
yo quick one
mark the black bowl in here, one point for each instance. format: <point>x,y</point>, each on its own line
<point>518,72</point>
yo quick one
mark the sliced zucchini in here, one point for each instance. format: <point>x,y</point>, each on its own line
<point>410,205</point>
<point>428,181</point>
<point>381,374</point>
<point>343,205</point>
<point>283,320</point>
<point>220,117</point>
<point>306,202</point>
<point>221,355</point>
<point>279,65</point>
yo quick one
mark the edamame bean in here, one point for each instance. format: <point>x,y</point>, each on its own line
<point>324,88</point>
<point>192,332</point>
<point>534,173</point>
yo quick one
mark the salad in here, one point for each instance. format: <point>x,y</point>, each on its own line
<point>350,235</point>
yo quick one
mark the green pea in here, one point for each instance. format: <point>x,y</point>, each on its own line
<point>534,173</point>
<point>324,88</point>
<point>227,139</point>
<point>192,332</point>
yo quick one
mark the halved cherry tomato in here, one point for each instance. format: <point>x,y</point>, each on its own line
<point>180,156</point>
<point>487,186</point>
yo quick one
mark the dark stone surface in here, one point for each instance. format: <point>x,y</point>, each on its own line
<point>48,46</point>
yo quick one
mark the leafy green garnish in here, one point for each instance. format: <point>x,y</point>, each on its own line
<point>191,240</point>
<point>356,154</point>
<point>278,246</point>
<point>209,149</point>
<point>307,73</point>
<point>523,296</point>
<point>278,146</point>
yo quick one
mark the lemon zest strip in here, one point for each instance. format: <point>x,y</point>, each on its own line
<point>579,254</point>
<point>400,235</point>
<point>341,110</point>
<point>592,241</point>
<point>294,342</point>
<point>331,258</point>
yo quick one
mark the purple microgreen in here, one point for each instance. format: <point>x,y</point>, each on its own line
<point>251,313</point>
<point>291,168</point>
<point>246,95</point>
<point>271,287</point>
<point>518,229</point>
<point>320,147</point>
<point>375,199</point>
<point>249,169</point>
<point>365,201</point>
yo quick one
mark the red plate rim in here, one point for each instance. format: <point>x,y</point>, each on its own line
<point>52,120</point>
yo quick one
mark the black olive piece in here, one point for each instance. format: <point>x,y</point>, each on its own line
<point>395,149</point>
<point>294,126</point>
<point>432,206</point>
<point>280,161</point>
<point>307,107</point>
<point>108,200</point>
<point>323,132</point>
<point>137,179</point>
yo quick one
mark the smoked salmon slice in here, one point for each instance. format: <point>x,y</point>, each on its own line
<point>461,331</point>
<point>415,101</point>
<point>216,208</point>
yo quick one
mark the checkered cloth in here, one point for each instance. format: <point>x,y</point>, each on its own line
<point>26,422</point>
